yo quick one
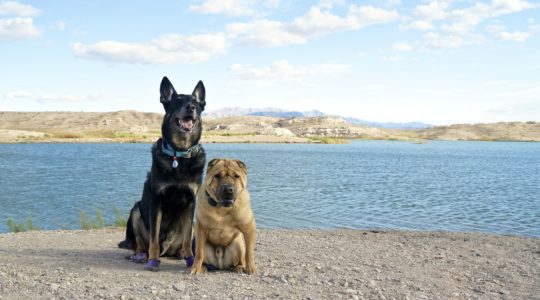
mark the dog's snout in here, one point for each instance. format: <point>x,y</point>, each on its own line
<point>227,189</point>
<point>190,107</point>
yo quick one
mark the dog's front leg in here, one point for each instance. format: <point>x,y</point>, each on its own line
<point>153,251</point>
<point>249,231</point>
<point>200,242</point>
<point>187,232</point>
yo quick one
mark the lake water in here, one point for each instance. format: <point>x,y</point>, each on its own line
<point>451,186</point>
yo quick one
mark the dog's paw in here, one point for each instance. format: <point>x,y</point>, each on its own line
<point>189,261</point>
<point>184,254</point>
<point>250,269</point>
<point>139,258</point>
<point>201,270</point>
<point>152,265</point>
<point>239,269</point>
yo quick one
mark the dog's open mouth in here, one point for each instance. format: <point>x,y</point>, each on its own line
<point>227,203</point>
<point>186,123</point>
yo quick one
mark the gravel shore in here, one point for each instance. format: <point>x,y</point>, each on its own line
<point>336,264</point>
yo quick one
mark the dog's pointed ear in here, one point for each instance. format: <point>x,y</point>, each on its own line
<point>213,162</point>
<point>242,165</point>
<point>166,91</point>
<point>199,93</point>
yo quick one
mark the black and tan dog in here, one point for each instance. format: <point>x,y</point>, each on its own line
<point>160,223</point>
<point>225,225</point>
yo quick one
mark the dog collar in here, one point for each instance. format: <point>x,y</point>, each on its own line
<point>210,200</point>
<point>170,151</point>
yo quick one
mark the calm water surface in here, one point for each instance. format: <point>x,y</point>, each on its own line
<point>453,186</point>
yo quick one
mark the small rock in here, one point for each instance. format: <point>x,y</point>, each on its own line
<point>54,286</point>
<point>350,292</point>
<point>179,286</point>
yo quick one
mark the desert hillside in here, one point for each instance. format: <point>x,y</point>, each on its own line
<point>138,126</point>
<point>133,126</point>
<point>502,131</point>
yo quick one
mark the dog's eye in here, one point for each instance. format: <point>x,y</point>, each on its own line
<point>236,176</point>
<point>217,176</point>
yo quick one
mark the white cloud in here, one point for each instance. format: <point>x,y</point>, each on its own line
<point>14,8</point>
<point>516,36</point>
<point>501,7</point>
<point>263,33</point>
<point>327,4</point>
<point>437,41</point>
<point>401,46</point>
<point>17,29</point>
<point>282,69</point>
<point>17,95</point>
<point>320,22</point>
<point>459,24</point>
<point>67,98</point>
<point>434,10</point>
<point>229,7</point>
<point>315,22</point>
<point>392,2</point>
<point>273,3</point>
<point>418,25</point>
<point>495,28</point>
<point>369,15</point>
<point>166,49</point>
<point>50,97</point>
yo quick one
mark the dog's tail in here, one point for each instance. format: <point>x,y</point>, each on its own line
<point>128,243</point>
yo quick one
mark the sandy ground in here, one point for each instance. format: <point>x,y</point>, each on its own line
<point>291,265</point>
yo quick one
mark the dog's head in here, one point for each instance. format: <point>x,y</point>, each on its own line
<point>225,180</point>
<point>182,125</point>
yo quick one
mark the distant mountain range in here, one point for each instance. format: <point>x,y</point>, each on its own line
<point>282,113</point>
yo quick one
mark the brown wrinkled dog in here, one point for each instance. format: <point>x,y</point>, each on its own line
<point>225,228</point>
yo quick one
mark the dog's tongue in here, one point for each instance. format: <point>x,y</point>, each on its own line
<point>187,123</point>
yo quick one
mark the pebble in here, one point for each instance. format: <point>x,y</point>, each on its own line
<point>179,286</point>
<point>54,286</point>
<point>351,292</point>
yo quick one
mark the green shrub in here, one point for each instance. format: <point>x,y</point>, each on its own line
<point>119,220</point>
<point>93,223</point>
<point>21,227</point>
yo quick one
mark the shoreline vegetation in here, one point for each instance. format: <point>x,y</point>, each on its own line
<point>139,127</point>
<point>86,222</point>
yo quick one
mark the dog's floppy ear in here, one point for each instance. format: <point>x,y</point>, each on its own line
<point>166,91</point>
<point>242,165</point>
<point>213,162</point>
<point>199,93</point>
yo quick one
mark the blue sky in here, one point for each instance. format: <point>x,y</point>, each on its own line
<point>439,62</point>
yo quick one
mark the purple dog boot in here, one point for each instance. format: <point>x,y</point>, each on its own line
<point>189,261</point>
<point>139,258</point>
<point>152,265</point>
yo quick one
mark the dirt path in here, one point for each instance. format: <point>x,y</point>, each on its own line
<point>291,265</point>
